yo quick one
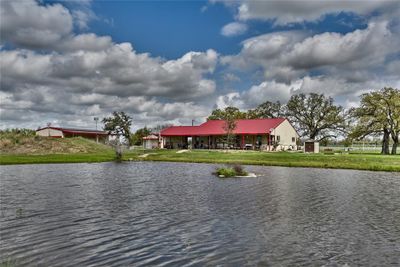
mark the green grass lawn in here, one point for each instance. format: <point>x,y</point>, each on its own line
<point>362,161</point>
<point>373,161</point>
<point>6,159</point>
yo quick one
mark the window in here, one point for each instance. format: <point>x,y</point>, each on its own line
<point>293,139</point>
<point>278,138</point>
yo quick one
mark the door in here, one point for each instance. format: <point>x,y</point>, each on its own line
<point>309,147</point>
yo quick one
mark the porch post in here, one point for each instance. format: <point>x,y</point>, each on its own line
<point>242,141</point>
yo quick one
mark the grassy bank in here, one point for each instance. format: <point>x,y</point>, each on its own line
<point>73,150</point>
<point>374,162</point>
<point>31,149</point>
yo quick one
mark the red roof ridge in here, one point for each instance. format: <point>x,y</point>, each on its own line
<point>282,118</point>
<point>214,127</point>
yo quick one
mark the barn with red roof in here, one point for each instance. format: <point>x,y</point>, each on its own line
<point>266,134</point>
<point>60,132</point>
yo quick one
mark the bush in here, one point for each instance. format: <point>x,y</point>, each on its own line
<point>226,172</point>
<point>16,133</point>
<point>236,170</point>
<point>239,170</point>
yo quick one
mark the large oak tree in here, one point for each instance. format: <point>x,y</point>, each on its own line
<point>379,114</point>
<point>315,116</point>
<point>267,110</point>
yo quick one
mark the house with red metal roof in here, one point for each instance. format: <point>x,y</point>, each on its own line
<point>266,134</point>
<point>59,132</point>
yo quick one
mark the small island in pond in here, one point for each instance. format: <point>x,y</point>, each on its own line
<point>233,171</point>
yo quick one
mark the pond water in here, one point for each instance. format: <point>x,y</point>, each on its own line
<point>179,214</point>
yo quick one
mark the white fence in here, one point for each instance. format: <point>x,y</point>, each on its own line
<point>352,148</point>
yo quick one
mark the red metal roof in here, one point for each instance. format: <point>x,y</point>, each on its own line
<point>76,131</point>
<point>216,127</point>
<point>151,137</point>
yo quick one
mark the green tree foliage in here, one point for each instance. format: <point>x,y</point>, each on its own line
<point>119,123</point>
<point>391,98</point>
<point>158,128</point>
<point>378,114</point>
<point>315,116</point>
<point>228,112</point>
<point>137,137</point>
<point>229,115</point>
<point>229,127</point>
<point>267,110</point>
<point>20,132</point>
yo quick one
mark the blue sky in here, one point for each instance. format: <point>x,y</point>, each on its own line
<point>66,62</point>
<point>166,29</point>
<point>171,28</point>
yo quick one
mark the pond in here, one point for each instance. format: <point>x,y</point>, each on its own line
<point>179,214</point>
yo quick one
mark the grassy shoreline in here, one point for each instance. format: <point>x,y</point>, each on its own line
<point>371,162</point>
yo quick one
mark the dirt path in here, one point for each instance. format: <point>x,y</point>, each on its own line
<point>146,155</point>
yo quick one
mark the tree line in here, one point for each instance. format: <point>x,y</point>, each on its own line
<point>314,116</point>
<point>317,117</point>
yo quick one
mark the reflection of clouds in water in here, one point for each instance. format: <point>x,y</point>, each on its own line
<point>177,214</point>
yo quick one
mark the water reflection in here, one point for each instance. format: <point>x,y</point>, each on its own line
<point>179,214</point>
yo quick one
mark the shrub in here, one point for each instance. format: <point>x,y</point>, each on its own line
<point>236,170</point>
<point>226,172</point>
<point>239,170</point>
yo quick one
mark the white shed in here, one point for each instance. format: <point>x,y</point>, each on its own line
<point>150,142</point>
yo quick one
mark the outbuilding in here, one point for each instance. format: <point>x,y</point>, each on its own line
<point>151,142</point>
<point>60,132</point>
<point>311,146</point>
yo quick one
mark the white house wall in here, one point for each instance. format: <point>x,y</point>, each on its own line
<point>286,132</point>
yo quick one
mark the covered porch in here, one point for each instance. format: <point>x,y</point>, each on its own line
<point>240,141</point>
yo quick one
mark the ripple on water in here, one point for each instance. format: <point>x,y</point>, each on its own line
<point>178,214</point>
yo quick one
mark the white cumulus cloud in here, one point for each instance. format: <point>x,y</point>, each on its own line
<point>234,29</point>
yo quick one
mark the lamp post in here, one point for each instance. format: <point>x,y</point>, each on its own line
<point>96,119</point>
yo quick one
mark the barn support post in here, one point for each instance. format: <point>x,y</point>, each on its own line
<point>269,142</point>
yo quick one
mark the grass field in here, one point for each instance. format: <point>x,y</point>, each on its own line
<point>373,161</point>
<point>25,150</point>
<point>73,150</point>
